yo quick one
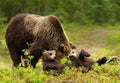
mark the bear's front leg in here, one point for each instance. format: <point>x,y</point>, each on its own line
<point>49,67</point>
<point>36,52</point>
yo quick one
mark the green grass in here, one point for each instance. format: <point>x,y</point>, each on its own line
<point>99,74</point>
<point>98,41</point>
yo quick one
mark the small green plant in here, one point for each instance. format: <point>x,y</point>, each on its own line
<point>28,58</point>
<point>96,68</point>
<point>29,45</point>
<point>65,60</point>
<point>67,70</point>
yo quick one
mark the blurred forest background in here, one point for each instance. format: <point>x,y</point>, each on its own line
<point>78,11</point>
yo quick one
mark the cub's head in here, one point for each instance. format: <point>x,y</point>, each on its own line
<point>49,55</point>
<point>73,55</point>
<point>76,54</point>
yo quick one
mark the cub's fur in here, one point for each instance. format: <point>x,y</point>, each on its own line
<point>81,59</point>
<point>50,63</point>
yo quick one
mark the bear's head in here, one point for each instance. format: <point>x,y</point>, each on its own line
<point>75,54</point>
<point>49,55</point>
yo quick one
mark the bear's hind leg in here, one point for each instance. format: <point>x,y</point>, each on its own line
<point>16,57</point>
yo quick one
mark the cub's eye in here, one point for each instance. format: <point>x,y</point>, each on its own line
<point>50,53</point>
<point>73,52</point>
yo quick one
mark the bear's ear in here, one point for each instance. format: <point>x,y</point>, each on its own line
<point>44,51</point>
<point>84,53</point>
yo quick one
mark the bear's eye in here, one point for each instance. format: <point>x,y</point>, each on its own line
<point>50,53</point>
<point>73,52</point>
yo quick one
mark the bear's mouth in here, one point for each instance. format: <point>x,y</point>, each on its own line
<point>72,58</point>
<point>52,60</point>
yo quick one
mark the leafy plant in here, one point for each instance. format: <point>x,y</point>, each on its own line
<point>28,58</point>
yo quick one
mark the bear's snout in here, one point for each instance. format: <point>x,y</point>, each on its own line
<point>53,57</point>
<point>72,58</point>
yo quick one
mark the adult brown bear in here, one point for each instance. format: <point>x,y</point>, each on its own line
<point>44,32</point>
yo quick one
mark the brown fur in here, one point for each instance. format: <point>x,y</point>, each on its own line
<point>87,63</point>
<point>81,59</point>
<point>51,63</point>
<point>44,32</point>
<point>58,66</point>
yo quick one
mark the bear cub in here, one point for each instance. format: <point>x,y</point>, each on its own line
<point>50,63</point>
<point>81,59</point>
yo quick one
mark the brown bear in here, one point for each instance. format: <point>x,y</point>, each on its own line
<point>42,32</point>
<point>50,63</point>
<point>81,59</point>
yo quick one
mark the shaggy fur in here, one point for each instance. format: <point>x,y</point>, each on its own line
<point>43,32</point>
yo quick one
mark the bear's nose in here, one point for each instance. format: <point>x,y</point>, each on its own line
<point>72,58</point>
<point>55,57</point>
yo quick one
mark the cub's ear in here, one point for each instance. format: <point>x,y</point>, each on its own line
<point>43,51</point>
<point>84,53</point>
